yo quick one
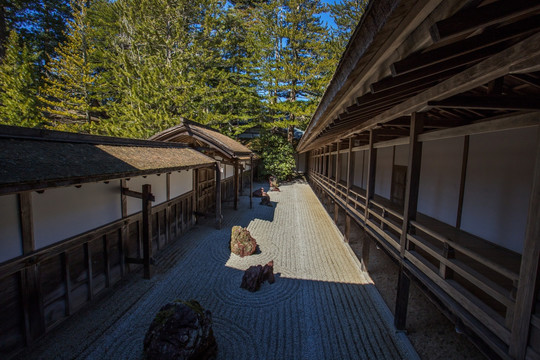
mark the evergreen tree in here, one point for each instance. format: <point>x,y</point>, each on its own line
<point>18,85</point>
<point>296,63</point>
<point>346,15</point>
<point>72,91</point>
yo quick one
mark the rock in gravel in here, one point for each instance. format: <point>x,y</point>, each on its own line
<point>254,276</point>
<point>242,243</point>
<point>181,331</point>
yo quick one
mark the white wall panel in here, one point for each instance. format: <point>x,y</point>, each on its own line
<point>229,171</point>
<point>343,163</point>
<point>358,161</point>
<point>159,190</point>
<point>440,177</point>
<point>181,182</point>
<point>401,156</point>
<point>498,186</point>
<point>10,229</point>
<point>68,211</point>
<point>383,175</point>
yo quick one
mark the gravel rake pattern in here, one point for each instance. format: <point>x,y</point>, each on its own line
<point>320,307</point>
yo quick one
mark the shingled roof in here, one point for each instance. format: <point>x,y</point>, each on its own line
<point>35,159</point>
<point>189,132</point>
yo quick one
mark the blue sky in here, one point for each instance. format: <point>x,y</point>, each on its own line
<point>326,18</point>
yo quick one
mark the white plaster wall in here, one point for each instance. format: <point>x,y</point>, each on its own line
<point>383,175</point>
<point>64,212</point>
<point>159,190</point>
<point>498,186</point>
<point>181,182</point>
<point>359,165</point>
<point>229,171</point>
<point>401,156</point>
<point>440,177</point>
<point>343,163</point>
<point>10,228</point>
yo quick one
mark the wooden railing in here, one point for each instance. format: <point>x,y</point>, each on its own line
<point>465,274</point>
<point>43,288</point>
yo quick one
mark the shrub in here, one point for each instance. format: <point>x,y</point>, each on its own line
<point>277,156</point>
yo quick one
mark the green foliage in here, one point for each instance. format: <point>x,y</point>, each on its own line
<point>346,15</point>
<point>277,156</point>
<point>72,90</point>
<point>18,85</point>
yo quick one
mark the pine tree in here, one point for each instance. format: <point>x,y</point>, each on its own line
<point>72,90</point>
<point>18,85</point>
<point>346,15</point>
<point>296,64</point>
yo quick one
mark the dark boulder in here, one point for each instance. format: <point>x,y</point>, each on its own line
<point>181,330</point>
<point>242,243</point>
<point>254,276</point>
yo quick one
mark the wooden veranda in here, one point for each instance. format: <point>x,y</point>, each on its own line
<point>451,88</point>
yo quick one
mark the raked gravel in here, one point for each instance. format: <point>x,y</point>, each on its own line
<point>320,307</point>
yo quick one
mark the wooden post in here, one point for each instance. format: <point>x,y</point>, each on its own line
<point>372,168</point>
<point>218,195</point>
<point>464,162</point>
<point>27,222</point>
<point>409,213</point>
<point>168,209</point>
<point>527,284</point>
<point>195,194</point>
<point>324,161</point>
<point>251,181</point>
<point>402,301</point>
<point>241,178</point>
<point>147,229</point>
<point>124,233</point>
<point>337,169</point>
<point>350,173</point>
<point>235,180</point>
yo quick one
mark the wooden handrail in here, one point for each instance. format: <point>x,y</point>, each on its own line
<point>468,252</point>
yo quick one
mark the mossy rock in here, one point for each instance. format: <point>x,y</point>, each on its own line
<point>242,243</point>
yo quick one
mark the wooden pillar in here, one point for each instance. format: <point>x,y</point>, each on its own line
<point>218,195</point>
<point>168,209</point>
<point>372,168</point>
<point>123,249</point>
<point>32,304</point>
<point>347,236</point>
<point>337,169</point>
<point>195,205</point>
<point>241,178</point>
<point>464,162</point>
<point>147,229</point>
<point>409,213</point>
<point>324,161</point>
<point>528,272</point>
<point>235,180</point>
<point>251,181</point>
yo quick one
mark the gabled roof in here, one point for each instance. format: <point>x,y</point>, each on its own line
<point>34,159</point>
<point>189,132</point>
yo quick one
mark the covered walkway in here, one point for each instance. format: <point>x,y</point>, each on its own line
<point>320,307</point>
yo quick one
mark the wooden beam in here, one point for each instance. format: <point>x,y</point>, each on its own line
<point>469,20</point>
<point>135,194</point>
<point>528,274</point>
<point>439,69</point>
<point>26,221</point>
<point>506,122</point>
<point>494,67</point>
<point>489,102</point>
<point>409,213</point>
<point>218,195</point>
<point>147,229</point>
<point>465,46</point>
